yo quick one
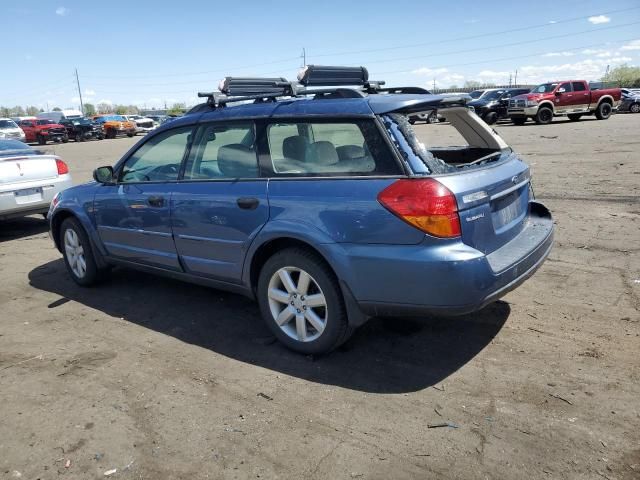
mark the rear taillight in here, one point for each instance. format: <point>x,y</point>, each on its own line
<point>424,203</point>
<point>62,167</point>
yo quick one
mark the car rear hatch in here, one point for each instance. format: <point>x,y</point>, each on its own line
<point>27,168</point>
<point>492,191</point>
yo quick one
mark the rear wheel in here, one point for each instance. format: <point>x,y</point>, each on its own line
<point>433,117</point>
<point>78,254</point>
<point>65,139</point>
<point>544,116</point>
<point>41,140</point>
<point>574,117</point>
<point>603,111</point>
<point>518,120</point>
<point>635,108</point>
<point>301,301</point>
<point>130,134</point>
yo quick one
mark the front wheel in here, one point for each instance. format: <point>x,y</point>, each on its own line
<point>433,117</point>
<point>301,302</point>
<point>603,111</point>
<point>491,118</point>
<point>65,139</point>
<point>635,108</point>
<point>42,140</point>
<point>544,116</point>
<point>130,134</point>
<point>78,254</point>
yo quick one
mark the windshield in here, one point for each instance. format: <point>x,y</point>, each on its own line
<point>493,94</point>
<point>44,122</point>
<point>476,94</point>
<point>545,88</point>
<point>7,124</point>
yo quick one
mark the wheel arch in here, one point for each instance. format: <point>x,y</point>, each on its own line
<point>605,98</point>
<point>56,222</point>
<point>547,104</point>
<point>275,242</point>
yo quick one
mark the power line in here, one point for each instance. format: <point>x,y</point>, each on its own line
<point>472,37</point>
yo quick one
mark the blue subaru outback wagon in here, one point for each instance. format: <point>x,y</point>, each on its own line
<point>317,199</point>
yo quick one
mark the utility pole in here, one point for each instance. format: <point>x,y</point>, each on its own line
<point>515,80</point>
<point>304,57</point>
<point>509,80</point>
<point>434,83</point>
<point>79,92</point>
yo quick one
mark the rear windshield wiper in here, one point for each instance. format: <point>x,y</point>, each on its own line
<point>480,160</point>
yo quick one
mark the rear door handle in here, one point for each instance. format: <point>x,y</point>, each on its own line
<point>155,201</point>
<point>248,203</point>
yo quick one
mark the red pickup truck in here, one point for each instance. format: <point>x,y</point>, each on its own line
<point>572,98</point>
<point>42,130</point>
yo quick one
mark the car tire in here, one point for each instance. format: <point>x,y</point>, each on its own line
<point>131,135</point>
<point>575,117</point>
<point>301,302</point>
<point>518,120</point>
<point>432,118</point>
<point>544,116</point>
<point>634,108</point>
<point>490,118</point>
<point>41,140</point>
<point>412,121</point>
<point>78,254</point>
<point>65,139</point>
<point>603,112</point>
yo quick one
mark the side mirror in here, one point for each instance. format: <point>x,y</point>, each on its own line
<point>104,175</point>
<point>560,90</point>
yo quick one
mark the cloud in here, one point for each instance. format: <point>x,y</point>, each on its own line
<point>553,21</point>
<point>62,11</point>
<point>429,71</point>
<point>588,69</point>
<point>559,54</point>
<point>598,19</point>
<point>105,100</point>
<point>634,45</point>
<point>89,93</point>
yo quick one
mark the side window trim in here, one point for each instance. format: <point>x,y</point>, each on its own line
<point>123,161</point>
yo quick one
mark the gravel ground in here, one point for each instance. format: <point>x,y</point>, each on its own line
<point>164,380</point>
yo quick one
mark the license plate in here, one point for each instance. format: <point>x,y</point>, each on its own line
<point>28,195</point>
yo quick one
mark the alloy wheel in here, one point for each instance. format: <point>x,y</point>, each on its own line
<point>297,304</point>
<point>75,253</point>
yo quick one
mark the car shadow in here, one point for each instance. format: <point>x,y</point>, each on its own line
<point>384,356</point>
<point>22,227</point>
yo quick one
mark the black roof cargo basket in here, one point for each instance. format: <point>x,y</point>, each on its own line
<point>322,81</point>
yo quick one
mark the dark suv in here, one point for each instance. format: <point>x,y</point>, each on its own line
<point>317,199</point>
<point>494,103</point>
<point>81,129</point>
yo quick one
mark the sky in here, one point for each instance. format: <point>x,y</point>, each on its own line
<point>149,53</point>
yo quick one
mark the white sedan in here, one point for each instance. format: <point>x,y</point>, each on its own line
<point>29,180</point>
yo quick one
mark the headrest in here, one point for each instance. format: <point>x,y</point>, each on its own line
<point>237,161</point>
<point>321,153</point>
<point>350,152</point>
<point>294,147</point>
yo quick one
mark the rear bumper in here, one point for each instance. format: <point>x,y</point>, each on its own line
<point>12,206</point>
<point>450,280</point>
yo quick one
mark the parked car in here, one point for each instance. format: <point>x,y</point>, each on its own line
<point>59,115</point>
<point>143,124</point>
<point>10,130</point>
<point>116,125</point>
<point>157,119</point>
<point>475,94</point>
<point>327,212</point>
<point>630,101</point>
<point>29,180</point>
<point>493,105</point>
<point>81,129</point>
<point>572,98</point>
<point>43,131</point>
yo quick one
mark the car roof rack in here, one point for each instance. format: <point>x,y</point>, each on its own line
<point>321,81</point>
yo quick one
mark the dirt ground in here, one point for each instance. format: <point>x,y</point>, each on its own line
<point>164,380</point>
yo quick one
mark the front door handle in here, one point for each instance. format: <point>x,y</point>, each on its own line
<point>248,203</point>
<point>155,201</point>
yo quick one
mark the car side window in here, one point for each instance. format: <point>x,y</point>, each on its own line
<point>223,150</point>
<point>566,86</point>
<point>159,159</point>
<point>308,148</point>
<point>578,87</point>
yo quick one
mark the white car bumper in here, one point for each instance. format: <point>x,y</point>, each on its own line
<point>28,198</point>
